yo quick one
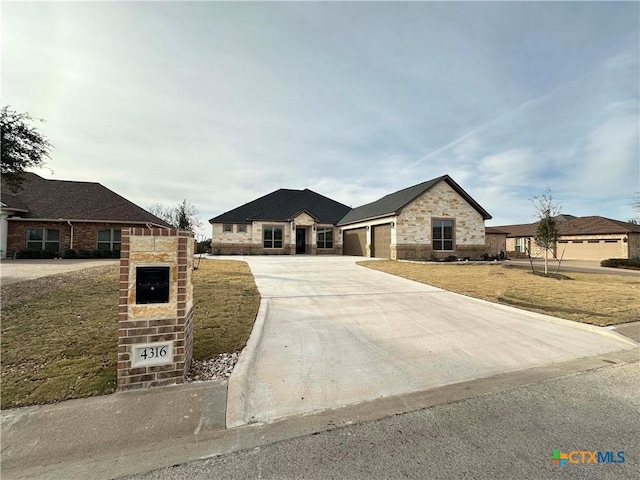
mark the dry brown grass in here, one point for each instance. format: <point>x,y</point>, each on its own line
<point>598,299</point>
<point>59,333</point>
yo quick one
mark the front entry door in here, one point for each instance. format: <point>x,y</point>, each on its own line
<point>300,240</point>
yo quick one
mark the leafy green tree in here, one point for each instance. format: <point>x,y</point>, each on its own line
<point>546,234</point>
<point>22,146</point>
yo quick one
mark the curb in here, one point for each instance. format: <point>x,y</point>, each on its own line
<point>238,385</point>
<point>181,449</point>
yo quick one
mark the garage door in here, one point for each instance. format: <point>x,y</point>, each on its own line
<point>589,249</point>
<point>355,242</point>
<point>381,241</point>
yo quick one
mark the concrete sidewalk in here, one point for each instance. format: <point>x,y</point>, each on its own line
<point>135,432</point>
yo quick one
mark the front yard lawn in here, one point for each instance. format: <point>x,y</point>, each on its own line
<point>598,299</point>
<point>59,333</point>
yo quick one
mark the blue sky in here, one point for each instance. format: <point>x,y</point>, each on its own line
<point>222,102</point>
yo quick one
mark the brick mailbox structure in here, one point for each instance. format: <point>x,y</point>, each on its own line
<point>155,327</point>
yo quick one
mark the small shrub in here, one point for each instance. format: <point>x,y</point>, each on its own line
<point>630,263</point>
<point>84,253</point>
<point>96,253</point>
<point>69,253</point>
<point>27,253</point>
<point>205,246</point>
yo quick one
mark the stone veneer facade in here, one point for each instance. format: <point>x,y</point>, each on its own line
<point>250,242</point>
<point>413,226</point>
<point>172,321</point>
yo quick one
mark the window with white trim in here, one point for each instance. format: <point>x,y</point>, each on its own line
<point>109,239</point>
<point>43,239</point>
<point>442,238</point>
<point>242,229</point>
<point>521,245</point>
<point>227,227</point>
<point>324,238</point>
<point>272,237</point>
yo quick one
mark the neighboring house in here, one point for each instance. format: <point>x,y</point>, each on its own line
<point>282,222</point>
<point>58,215</point>
<point>434,219</point>
<point>580,238</point>
<point>496,241</point>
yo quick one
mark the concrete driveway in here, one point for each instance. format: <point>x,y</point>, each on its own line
<point>13,271</point>
<point>331,333</point>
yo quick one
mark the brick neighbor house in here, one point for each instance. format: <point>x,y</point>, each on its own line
<point>58,215</point>
<point>433,219</point>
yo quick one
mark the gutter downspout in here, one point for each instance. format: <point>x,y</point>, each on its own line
<point>71,241</point>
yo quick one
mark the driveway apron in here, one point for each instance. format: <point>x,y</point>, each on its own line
<point>336,334</point>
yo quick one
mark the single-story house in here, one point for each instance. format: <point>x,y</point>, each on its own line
<point>434,219</point>
<point>580,238</point>
<point>282,222</point>
<point>58,215</point>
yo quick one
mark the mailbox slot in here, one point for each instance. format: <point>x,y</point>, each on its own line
<point>152,285</point>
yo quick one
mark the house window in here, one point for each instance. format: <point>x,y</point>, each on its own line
<point>109,239</point>
<point>227,228</point>
<point>272,237</point>
<point>43,239</point>
<point>242,228</point>
<point>325,238</point>
<point>521,245</point>
<point>442,238</point>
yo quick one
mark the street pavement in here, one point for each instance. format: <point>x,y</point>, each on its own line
<point>506,435</point>
<point>331,333</point>
<point>584,266</point>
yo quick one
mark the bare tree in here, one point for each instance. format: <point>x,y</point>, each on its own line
<point>546,234</point>
<point>184,216</point>
<point>162,212</point>
<point>636,207</point>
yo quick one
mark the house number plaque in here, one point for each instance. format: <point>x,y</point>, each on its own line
<point>152,354</point>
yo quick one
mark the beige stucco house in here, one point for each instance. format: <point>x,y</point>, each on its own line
<point>580,238</point>
<point>434,219</point>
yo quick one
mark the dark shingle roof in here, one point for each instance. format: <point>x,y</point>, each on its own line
<point>70,200</point>
<point>570,225</point>
<point>495,230</point>
<point>394,202</point>
<point>12,202</point>
<point>284,205</point>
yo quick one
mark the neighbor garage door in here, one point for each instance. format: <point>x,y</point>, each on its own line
<point>589,249</point>
<point>381,241</point>
<point>354,242</point>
